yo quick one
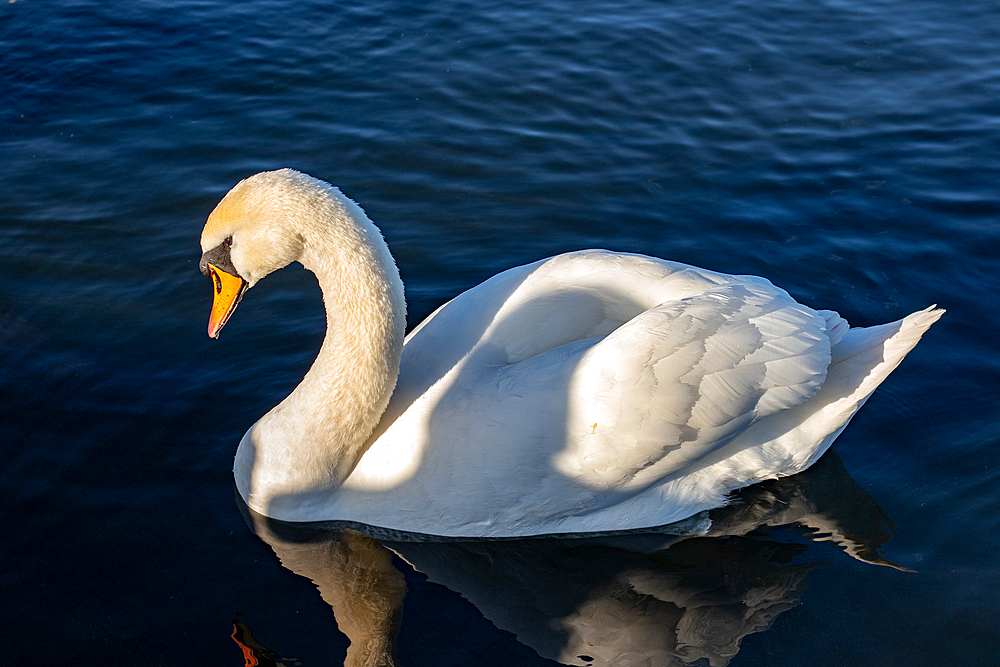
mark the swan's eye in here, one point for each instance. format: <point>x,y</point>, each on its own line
<point>228,242</point>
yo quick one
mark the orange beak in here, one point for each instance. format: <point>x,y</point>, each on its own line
<point>228,291</point>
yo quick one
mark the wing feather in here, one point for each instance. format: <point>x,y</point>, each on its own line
<point>685,377</point>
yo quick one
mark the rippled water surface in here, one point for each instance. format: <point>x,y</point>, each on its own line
<point>847,150</point>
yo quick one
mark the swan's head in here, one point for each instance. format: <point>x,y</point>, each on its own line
<point>251,233</point>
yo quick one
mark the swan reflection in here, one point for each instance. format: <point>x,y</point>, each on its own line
<point>648,598</point>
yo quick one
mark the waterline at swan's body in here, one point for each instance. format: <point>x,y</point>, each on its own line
<point>592,391</point>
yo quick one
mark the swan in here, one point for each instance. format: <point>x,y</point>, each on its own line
<point>588,392</point>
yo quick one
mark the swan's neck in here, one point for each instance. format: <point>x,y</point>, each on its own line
<point>305,447</point>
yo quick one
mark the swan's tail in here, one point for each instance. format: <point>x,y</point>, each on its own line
<point>870,354</point>
<point>861,360</point>
<point>790,441</point>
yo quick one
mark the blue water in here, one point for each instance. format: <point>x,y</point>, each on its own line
<point>847,150</point>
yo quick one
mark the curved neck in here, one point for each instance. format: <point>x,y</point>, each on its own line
<point>310,442</point>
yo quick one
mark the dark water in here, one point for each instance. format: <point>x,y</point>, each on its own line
<point>847,150</point>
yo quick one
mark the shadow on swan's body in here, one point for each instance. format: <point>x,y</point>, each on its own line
<point>638,598</point>
<point>588,392</point>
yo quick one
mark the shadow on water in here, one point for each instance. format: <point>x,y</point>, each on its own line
<point>646,597</point>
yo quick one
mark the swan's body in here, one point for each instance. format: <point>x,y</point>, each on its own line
<point>591,391</point>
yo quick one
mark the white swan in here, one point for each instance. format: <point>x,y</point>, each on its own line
<point>592,391</point>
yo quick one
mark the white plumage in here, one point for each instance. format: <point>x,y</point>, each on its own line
<point>592,391</point>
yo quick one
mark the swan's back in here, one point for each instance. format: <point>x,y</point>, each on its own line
<point>596,391</point>
<point>535,308</point>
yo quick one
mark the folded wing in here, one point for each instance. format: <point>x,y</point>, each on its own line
<point>685,377</point>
